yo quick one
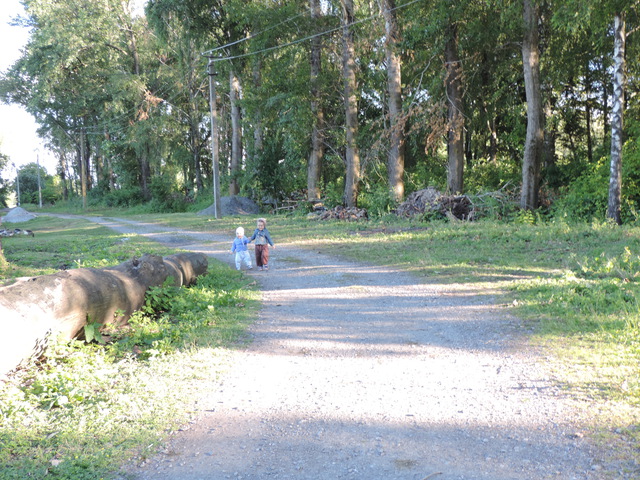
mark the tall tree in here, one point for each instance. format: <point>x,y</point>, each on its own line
<point>395,155</point>
<point>455,135</point>
<point>352,155</point>
<point>617,117</point>
<point>235,163</point>
<point>534,142</point>
<point>314,165</point>
<point>258,125</point>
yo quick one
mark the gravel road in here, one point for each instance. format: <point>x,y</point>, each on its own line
<point>362,372</point>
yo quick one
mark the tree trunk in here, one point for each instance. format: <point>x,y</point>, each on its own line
<point>258,129</point>
<point>535,134</point>
<point>3,261</point>
<point>617,117</point>
<point>395,157</point>
<point>314,167</point>
<point>99,165</point>
<point>109,163</point>
<point>493,140</point>
<point>32,310</point>
<point>82,170</point>
<point>145,170</point>
<point>588,87</point>
<point>606,127</point>
<point>236,133</point>
<point>195,151</point>
<point>352,177</point>
<point>550,136</point>
<point>455,141</point>
<point>63,168</point>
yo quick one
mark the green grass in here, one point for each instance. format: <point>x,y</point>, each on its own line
<point>64,244</point>
<point>575,285</point>
<point>86,409</point>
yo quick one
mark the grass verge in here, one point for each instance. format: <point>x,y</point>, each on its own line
<point>84,410</point>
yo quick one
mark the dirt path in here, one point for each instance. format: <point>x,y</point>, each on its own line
<point>357,372</point>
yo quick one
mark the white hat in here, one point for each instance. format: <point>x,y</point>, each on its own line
<point>239,231</point>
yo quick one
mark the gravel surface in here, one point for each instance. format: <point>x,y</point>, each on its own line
<point>361,372</point>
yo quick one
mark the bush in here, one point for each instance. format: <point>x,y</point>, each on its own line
<point>125,197</point>
<point>587,196</point>
<point>376,200</point>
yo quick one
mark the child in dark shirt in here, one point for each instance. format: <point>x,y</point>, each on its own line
<point>262,242</point>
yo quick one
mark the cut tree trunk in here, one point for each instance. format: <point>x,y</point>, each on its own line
<point>32,310</point>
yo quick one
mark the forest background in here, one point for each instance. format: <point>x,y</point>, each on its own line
<point>348,102</point>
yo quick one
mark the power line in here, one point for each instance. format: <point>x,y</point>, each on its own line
<point>295,42</point>
<point>209,52</point>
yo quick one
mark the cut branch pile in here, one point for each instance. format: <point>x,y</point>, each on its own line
<point>430,200</point>
<point>340,213</point>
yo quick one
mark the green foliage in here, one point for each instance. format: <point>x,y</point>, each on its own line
<point>376,200</point>
<point>4,183</point>
<point>587,196</point>
<point>334,193</point>
<point>488,176</point>
<point>32,185</point>
<point>92,331</point>
<point>165,197</point>
<point>122,197</point>
<point>159,299</point>
<point>58,389</point>
<point>145,131</point>
<point>276,171</point>
<point>431,171</point>
<point>525,217</point>
<point>500,204</point>
<point>625,266</point>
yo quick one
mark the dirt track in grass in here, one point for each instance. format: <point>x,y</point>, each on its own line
<point>362,372</point>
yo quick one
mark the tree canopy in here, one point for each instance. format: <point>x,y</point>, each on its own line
<point>347,101</point>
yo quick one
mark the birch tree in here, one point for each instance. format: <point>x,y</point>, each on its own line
<point>617,117</point>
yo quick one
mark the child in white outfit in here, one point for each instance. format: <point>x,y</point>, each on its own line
<point>239,247</point>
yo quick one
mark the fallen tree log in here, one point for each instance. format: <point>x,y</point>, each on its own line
<point>32,310</point>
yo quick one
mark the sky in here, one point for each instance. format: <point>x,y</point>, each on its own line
<point>18,138</point>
